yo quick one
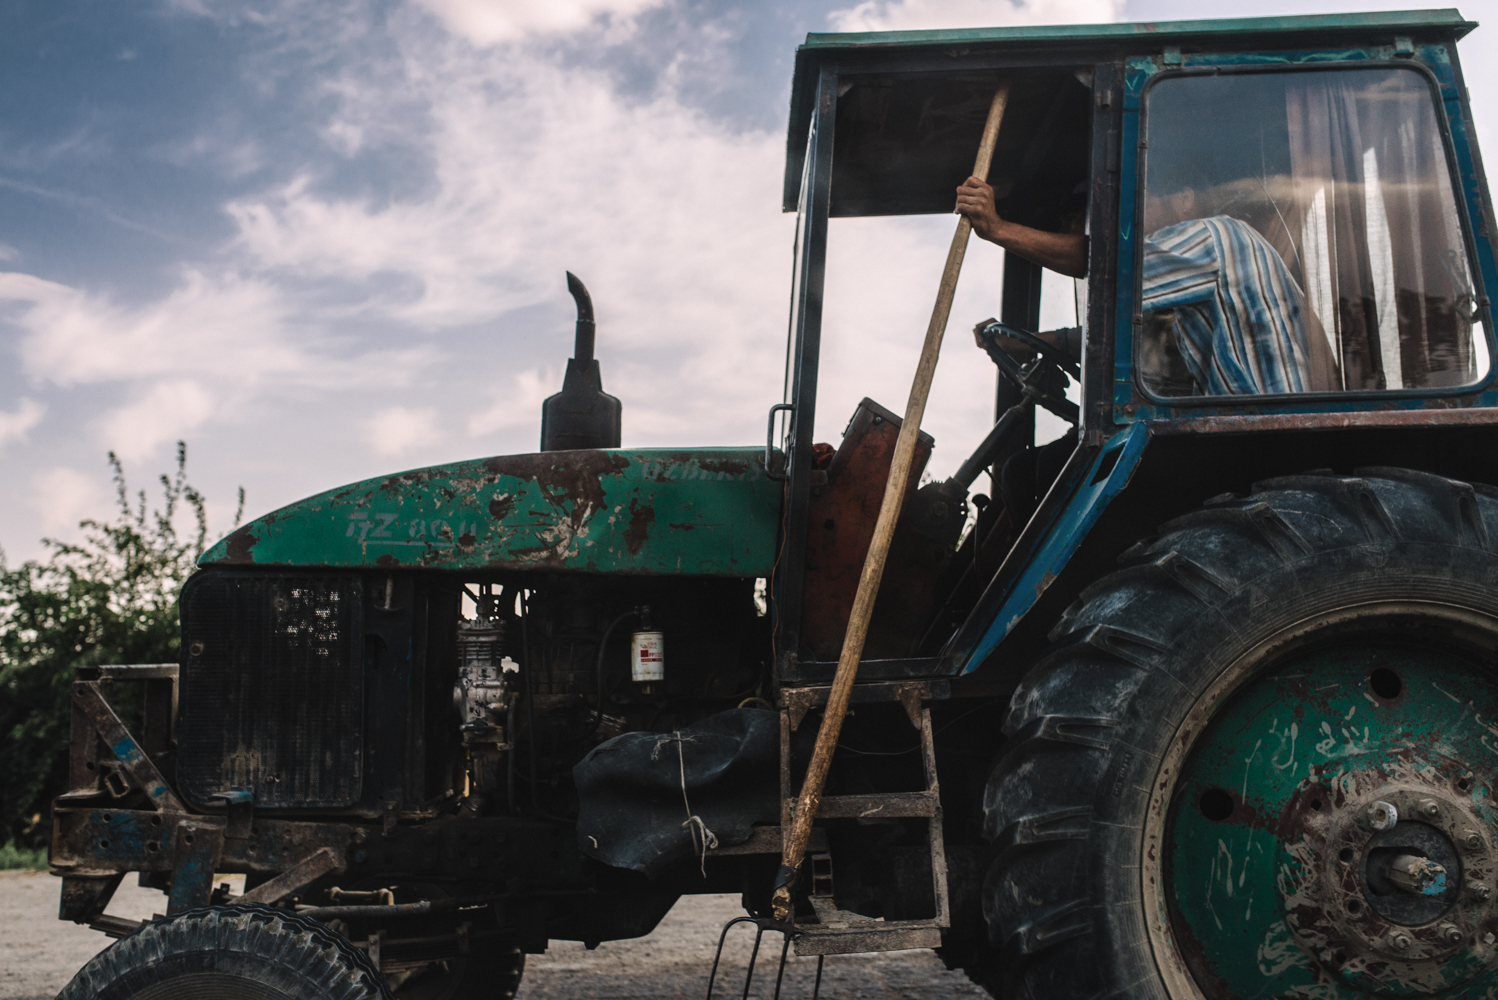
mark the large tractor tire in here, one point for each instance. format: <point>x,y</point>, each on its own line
<point>240,952</point>
<point>1196,797</point>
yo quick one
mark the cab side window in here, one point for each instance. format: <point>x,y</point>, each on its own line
<point>1301,235</point>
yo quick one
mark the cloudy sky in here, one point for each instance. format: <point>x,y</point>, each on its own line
<point>322,240</point>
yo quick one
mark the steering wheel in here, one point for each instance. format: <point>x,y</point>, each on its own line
<point>1041,379</point>
<point>1053,354</point>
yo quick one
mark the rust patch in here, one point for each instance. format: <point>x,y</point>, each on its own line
<point>640,520</point>
<point>241,543</point>
<point>683,526</point>
<point>733,467</point>
<point>1046,580</point>
<point>503,506</point>
<point>388,561</point>
<point>562,476</point>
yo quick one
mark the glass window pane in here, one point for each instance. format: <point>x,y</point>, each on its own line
<point>1301,235</point>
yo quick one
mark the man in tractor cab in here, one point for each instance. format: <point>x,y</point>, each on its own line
<point>1237,319</point>
<point>1238,316</point>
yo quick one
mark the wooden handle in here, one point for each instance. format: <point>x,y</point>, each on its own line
<point>884,531</point>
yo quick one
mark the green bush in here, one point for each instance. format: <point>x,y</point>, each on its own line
<point>111,598</point>
<point>12,856</point>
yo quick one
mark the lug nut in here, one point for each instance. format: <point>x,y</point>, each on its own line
<point>1479,890</point>
<point>1379,816</point>
<point>1450,934</point>
<point>1429,809</point>
<point>1470,840</point>
<point>1399,942</point>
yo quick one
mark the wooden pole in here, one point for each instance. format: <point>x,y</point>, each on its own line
<point>794,848</point>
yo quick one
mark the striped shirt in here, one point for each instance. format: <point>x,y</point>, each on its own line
<point>1239,314</point>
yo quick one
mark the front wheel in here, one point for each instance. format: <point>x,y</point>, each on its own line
<point>1260,760</point>
<point>240,952</point>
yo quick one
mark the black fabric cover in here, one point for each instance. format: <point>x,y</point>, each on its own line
<point>631,813</point>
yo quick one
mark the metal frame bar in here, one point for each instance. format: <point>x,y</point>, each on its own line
<point>94,709</point>
<point>790,575</point>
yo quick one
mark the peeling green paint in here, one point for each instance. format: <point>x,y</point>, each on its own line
<point>707,511</point>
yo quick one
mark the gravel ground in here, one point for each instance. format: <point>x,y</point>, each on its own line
<point>39,954</point>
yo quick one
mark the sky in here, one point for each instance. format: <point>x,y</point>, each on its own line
<point>322,240</point>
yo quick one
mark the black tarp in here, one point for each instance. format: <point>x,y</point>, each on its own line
<point>631,812</point>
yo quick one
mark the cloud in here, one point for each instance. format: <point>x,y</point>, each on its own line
<point>670,217</point>
<point>15,426</point>
<point>909,15</point>
<point>63,496</point>
<point>520,406</point>
<point>227,325</point>
<point>166,412</point>
<point>399,429</point>
<point>489,22</point>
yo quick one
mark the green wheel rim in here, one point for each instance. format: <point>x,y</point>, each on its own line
<point>1272,878</point>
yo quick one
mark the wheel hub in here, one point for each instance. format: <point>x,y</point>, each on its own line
<point>1330,829</point>
<point>1397,905</point>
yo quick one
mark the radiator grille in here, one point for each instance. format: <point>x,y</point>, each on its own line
<point>272,689</point>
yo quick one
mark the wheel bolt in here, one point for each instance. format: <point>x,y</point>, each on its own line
<point>1399,942</point>
<point>1479,890</point>
<point>1470,840</point>
<point>1380,816</point>
<point>1429,809</point>
<point>1450,934</point>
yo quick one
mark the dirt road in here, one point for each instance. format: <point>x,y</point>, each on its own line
<point>39,954</point>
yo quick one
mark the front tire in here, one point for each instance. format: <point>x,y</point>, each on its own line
<point>239,952</point>
<point>1176,816</point>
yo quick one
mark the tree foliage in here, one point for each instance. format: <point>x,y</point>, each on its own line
<point>110,598</point>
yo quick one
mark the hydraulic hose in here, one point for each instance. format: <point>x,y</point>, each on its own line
<point>603,644</point>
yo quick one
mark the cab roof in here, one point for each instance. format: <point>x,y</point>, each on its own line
<point>911,106</point>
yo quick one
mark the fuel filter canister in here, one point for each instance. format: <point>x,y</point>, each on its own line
<point>647,660</point>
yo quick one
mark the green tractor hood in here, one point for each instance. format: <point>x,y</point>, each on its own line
<point>709,511</point>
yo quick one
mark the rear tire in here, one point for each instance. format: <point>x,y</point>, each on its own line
<point>240,952</point>
<point>1086,896</point>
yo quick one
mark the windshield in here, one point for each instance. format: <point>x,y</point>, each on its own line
<point>1301,235</point>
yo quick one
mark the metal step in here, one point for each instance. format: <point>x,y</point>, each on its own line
<point>885,806</point>
<point>839,932</point>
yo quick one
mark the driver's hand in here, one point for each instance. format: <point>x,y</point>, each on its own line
<point>978,332</point>
<point>1009,344</point>
<point>975,200</point>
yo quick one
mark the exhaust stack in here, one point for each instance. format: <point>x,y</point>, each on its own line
<point>582,415</point>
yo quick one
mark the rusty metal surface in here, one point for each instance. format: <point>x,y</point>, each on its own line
<point>840,525</point>
<point>197,849</point>
<point>708,511</point>
<point>322,861</point>
<point>91,704</point>
<point>883,805</point>
<point>798,701</point>
<point>96,841</point>
<point>1252,423</point>
<point>870,937</point>
<point>101,841</point>
<point>84,897</point>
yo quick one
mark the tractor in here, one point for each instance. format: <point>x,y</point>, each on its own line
<point>1200,700</point>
